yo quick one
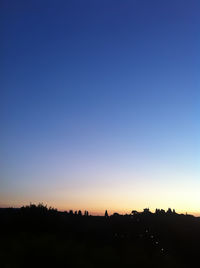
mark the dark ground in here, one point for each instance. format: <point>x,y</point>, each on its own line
<point>41,237</point>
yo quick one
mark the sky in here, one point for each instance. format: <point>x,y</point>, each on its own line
<point>100,104</point>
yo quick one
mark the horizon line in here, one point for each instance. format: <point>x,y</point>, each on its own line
<point>102,212</point>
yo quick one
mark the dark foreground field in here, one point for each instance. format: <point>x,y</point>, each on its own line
<point>41,237</point>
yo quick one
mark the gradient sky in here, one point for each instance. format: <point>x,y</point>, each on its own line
<point>100,104</point>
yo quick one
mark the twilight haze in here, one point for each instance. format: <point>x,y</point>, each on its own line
<point>100,104</point>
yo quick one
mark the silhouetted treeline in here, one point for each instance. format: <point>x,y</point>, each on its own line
<point>36,235</point>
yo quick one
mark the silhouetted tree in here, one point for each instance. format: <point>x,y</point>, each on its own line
<point>115,214</point>
<point>71,213</point>
<point>86,213</point>
<point>162,211</point>
<point>157,211</point>
<point>146,211</point>
<point>106,214</point>
<point>79,213</point>
<point>134,212</point>
<point>169,211</point>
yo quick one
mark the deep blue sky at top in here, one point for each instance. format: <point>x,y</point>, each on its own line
<point>98,81</point>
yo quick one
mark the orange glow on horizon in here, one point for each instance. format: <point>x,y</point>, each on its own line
<point>100,212</point>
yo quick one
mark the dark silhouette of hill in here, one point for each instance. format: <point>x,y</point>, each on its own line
<point>38,236</point>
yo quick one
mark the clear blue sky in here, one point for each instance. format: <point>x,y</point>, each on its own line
<point>100,104</point>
